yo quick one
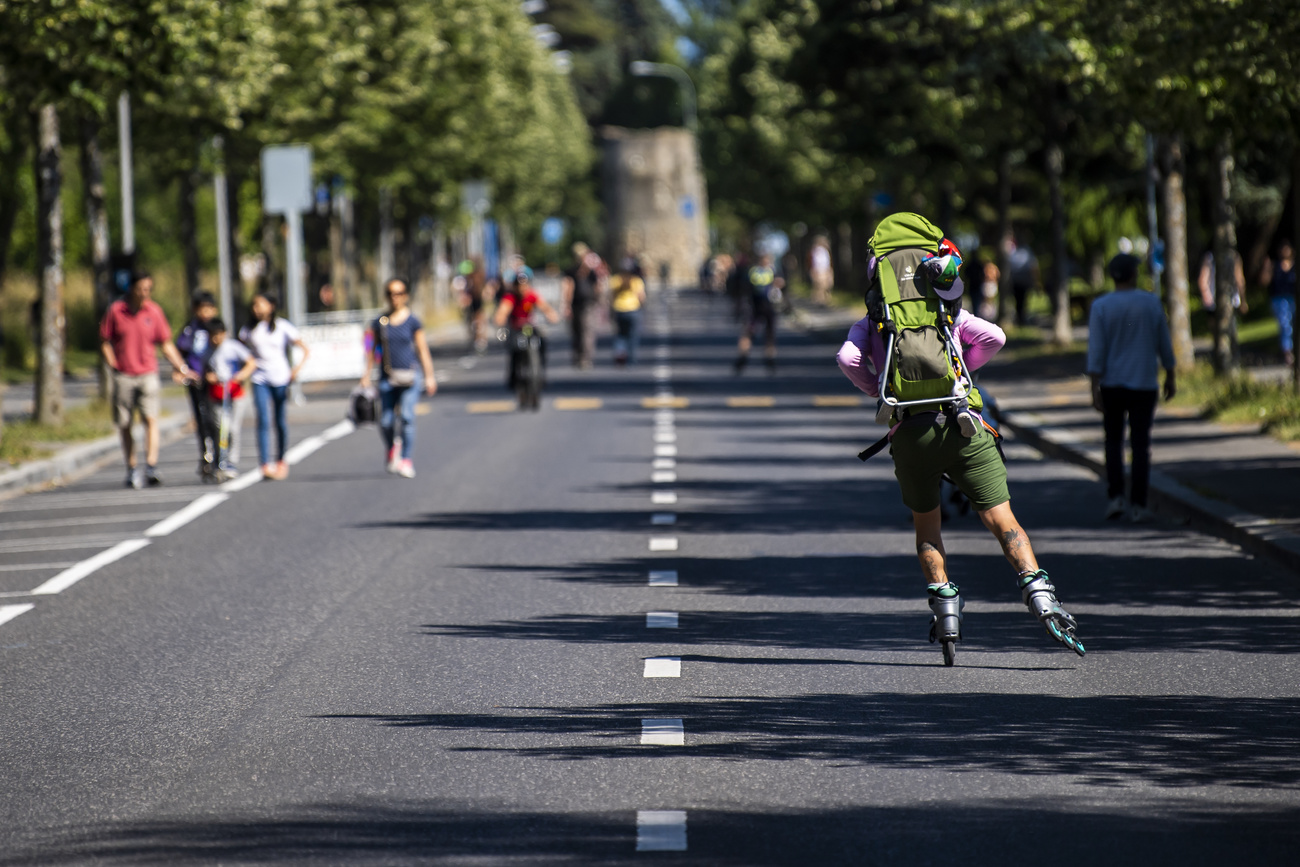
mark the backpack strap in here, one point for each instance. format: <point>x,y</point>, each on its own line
<point>874,449</point>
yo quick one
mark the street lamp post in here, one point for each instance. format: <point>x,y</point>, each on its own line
<point>643,68</point>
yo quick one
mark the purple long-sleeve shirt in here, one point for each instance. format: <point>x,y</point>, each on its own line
<point>862,356</point>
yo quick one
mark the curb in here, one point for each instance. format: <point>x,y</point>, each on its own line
<point>1253,533</point>
<point>76,461</point>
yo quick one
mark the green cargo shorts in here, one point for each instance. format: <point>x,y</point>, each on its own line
<point>923,451</point>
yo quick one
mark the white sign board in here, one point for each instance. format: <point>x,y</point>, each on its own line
<point>286,179</point>
<point>337,352</point>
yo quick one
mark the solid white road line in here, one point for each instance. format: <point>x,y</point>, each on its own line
<point>663,543</point>
<point>70,576</point>
<point>661,519</point>
<point>661,620</point>
<point>661,830</point>
<point>663,578</point>
<point>660,477</point>
<point>203,504</point>
<point>663,498</point>
<point>303,449</point>
<point>9,612</point>
<point>662,732</point>
<point>339,430</point>
<point>246,479</point>
<point>663,666</point>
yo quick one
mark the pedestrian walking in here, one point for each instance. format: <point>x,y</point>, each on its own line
<point>230,364</point>
<point>132,331</point>
<point>627,297</point>
<point>820,271</point>
<point>405,368</point>
<point>765,295</point>
<point>270,339</point>
<point>1280,277</point>
<point>1128,337</point>
<point>193,343</point>
<point>583,287</point>
<point>899,350</point>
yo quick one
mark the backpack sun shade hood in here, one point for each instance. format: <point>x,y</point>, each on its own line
<point>898,231</point>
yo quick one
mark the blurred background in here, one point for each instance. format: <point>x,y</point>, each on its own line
<point>1043,136</point>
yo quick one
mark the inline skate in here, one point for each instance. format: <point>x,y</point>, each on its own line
<point>1039,596</point>
<point>945,618</point>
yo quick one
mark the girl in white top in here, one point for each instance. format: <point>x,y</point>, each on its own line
<point>269,339</point>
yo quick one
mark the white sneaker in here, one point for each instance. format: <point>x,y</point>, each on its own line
<point>1116,508</point>
<point>1141,515</point>
<point>406,469</point>
<point>394,458</point>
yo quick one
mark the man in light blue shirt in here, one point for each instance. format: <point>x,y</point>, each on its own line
<point>1128,340</point>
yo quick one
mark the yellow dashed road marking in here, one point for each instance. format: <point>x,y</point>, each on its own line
<point>578,403</point>
<point>665,402</point>
<point>750,402</point>
<point>480,406</point>
<point>836,400</point>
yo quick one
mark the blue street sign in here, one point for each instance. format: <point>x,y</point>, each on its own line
<point>552,231</point>
<point>688,206</point>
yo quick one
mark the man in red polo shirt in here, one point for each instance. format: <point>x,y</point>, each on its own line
<point>132,329</point>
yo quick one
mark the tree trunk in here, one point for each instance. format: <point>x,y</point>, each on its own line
<point>12,157</point>
<point>1006,240</point>
<point>49,262</point>
<point>387,240</point>
<point>239,311</point>
<point>1176,265</point>
<point>92,178</point>
<point>189,231</point>
<point>1295,245</point>
<point>1059,278</point>
<point>1225,261</point>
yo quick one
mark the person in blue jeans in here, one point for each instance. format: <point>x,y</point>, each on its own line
<point>1281,296</point>
<point>270,339</point>
<point>1128,341</point>
<point>401,353</point>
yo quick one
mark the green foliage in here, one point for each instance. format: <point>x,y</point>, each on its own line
<point>27,440</point>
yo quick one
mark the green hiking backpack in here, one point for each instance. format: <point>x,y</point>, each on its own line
<point>923,357</point>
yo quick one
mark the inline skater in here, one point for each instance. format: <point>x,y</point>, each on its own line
<point>765,293</point>
<point>925,439</point>
<point>519,302</point>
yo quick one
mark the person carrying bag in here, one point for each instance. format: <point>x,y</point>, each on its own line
<point>399,345</point>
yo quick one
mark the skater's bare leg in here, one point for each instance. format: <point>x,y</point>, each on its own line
<point>929,546</point>
<point>1006,529</point>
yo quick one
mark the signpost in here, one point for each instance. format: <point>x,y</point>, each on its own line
<point>287,189</point>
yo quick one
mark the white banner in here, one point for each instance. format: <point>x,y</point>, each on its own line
<point>337,352</point>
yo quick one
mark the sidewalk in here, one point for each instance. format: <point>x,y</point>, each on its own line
<point>1227,480</point>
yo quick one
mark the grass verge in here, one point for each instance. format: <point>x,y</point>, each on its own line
<point>1275,407</point>
<point>27,440</point>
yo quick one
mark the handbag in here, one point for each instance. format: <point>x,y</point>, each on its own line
<point>401,378</point>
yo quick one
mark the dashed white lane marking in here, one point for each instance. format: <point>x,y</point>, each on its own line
<point>663,464</point>
<point>660,477</point>
<point>205,503</point>
<point>663,732</point>
<point>663,666</point>
<point>662,519</point>
<point>661,830</point>
<point>665,436</point>
<point>661,620</point>
<point>303,449</point>
<point>9,612</point>
<point>72,575</point>
<point>665,451</point>
<point>663,498</point>
<point>663,578</point>
<point>663,543</point>
<point>663,372</point>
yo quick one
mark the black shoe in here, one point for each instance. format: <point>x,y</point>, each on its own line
<point>771,365</point>
<point>739,367</point>
<point>151,477</point>
<point>134,479</point>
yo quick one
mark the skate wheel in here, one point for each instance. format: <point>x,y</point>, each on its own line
<point>949,652</point>
<point>1075,644</point>
<point>1054,630</point>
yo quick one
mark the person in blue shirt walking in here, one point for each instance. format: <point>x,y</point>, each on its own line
<point>401,352</point>
<point>1128,339</point>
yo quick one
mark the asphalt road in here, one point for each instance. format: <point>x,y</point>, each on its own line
<point>352,668</point>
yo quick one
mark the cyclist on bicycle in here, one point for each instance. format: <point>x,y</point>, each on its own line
<point>518,304</point>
